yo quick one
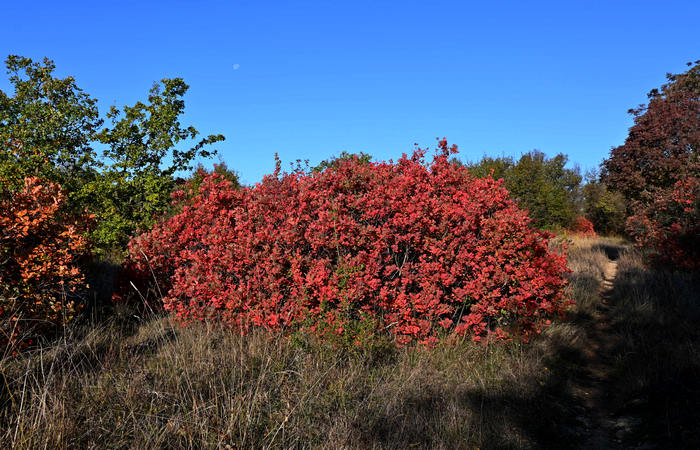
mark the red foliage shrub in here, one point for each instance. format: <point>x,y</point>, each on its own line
<point>418,249</point>
<point>583,227</point>
<point>671,225</point>
<point>39,252</point>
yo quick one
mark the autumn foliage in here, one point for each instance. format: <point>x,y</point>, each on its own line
<point>662,146</point>
<point>583,227</point>
<point>416,249</point>
<point>40,248</point>
<point>670,225</point>
<point>657,170</point>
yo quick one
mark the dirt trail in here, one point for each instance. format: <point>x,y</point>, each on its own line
<point>602,428</point>
<point>609,278</point>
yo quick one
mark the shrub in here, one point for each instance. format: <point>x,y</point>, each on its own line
<point>583,227</point>
<point>671,225</point>
<point>40,248</point>
<point>419,249</point>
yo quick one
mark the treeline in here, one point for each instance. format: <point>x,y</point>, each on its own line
<point>555,196</point>
<point>76,185</point>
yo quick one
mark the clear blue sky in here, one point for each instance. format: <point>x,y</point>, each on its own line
<point>310,79</point>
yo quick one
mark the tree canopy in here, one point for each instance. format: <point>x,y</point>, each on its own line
<point>662,146</point>
<point>603,207</point>
<point>47,128</point>
<point>543,186</point>
<point>50,129</point>
<point>657,170</point>
<point>333,162</point>
<point>141,149</point>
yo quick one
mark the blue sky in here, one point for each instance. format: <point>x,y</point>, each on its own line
<point>310,79</point>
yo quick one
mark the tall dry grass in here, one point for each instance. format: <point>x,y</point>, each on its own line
<point>135,382</point>
<point>655,317</point>
<point>165,386</point>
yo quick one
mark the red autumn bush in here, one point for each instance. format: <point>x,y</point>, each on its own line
<point>671,225</point>
<point>418,249</point>
<point>40,247</point>
<point>583,227</point>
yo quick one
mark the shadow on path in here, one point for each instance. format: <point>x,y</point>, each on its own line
<point>633,381</point>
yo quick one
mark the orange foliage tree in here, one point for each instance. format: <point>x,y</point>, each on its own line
<point>41,247</point>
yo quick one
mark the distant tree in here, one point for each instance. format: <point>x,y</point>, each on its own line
<point>549,191</point>
<point>363,158</point>
<point>603,207</point>
<point>497,167</point>
<point>662,146</point>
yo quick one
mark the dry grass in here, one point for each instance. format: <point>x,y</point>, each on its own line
<point>656,316</point>
<point>165,386</point>
<point>131,382</point>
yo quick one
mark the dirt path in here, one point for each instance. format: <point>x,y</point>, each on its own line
<point>602,428</point>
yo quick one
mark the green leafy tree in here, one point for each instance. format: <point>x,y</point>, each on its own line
<point>136,184</point>
<point>603,207</point>
<point>49,129</point>
<point>496,167</point>
<point>544,186</point>
<point>46,129</point>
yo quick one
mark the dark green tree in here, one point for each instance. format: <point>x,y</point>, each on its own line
<point>548,190</point>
